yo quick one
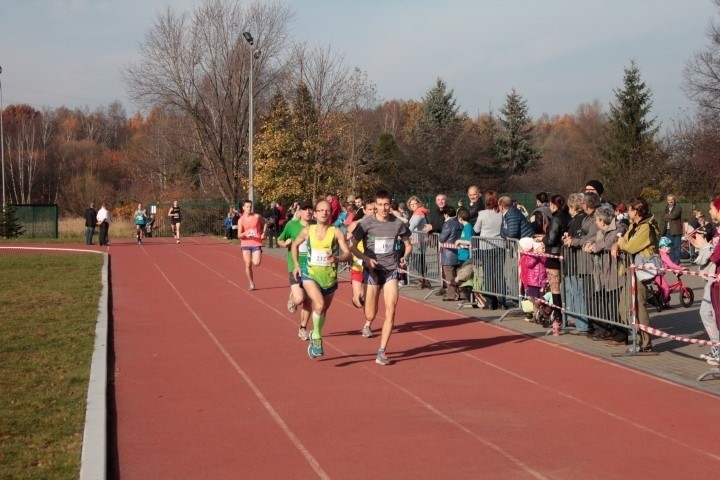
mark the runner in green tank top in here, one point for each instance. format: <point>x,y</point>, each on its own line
<point>297,293</point>
<point>320,273</point>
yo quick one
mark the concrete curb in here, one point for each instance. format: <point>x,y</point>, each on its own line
<point>94,449</point>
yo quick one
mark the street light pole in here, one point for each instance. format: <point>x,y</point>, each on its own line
<point>255,54</point>
<point>2,146</point>
<point>251,189</point>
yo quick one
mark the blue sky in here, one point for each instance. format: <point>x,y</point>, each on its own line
<point>557,54</point>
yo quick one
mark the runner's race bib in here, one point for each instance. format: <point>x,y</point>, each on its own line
<point>251,233</point>
<point>358,262</point>
<point>320,257</point>
<point>384,245</point>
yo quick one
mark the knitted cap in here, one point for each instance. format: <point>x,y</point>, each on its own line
<point>597,185</point>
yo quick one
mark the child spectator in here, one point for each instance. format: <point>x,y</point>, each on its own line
<point>664,247</point>
<point>532,269</point>
<point>229,225</point>
<point>150,225</point>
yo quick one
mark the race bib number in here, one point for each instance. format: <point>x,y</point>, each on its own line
<point>384,245</point>
<point>320,257</point>
<point>302,248</point>
<point>176,215</point>
<point>251,233</point>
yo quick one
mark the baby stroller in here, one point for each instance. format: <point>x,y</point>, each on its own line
<point>544,313</point>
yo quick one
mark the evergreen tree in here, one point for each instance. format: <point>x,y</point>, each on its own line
<point>439,108</point>
<point>431,140</point>
<point>385,167</point>
<point>514,141</point>
<point>630,151</point>
<point>10,226</point>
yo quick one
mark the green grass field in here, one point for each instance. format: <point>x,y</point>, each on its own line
<point>48,310</point>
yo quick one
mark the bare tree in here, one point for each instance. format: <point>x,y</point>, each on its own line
<point>702,72</point>
<point>325,74</point>
<point>198,63</point>
<point>23,138</point>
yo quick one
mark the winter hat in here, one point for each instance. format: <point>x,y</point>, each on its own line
<point>597,185</point>
<point>664,242</point>
<point>526,244</point>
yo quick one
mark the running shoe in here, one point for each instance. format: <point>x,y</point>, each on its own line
<point>315,348</point>
<point>367,332</point>
<point>713,353</point>
<point>292,308</point>
<point>714,357</point>
<point>251,287</point>
<point>381,359</point>
<point>303,334</point>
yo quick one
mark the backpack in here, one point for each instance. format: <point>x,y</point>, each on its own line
<point>647,266</point>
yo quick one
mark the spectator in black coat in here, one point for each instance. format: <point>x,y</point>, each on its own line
<point>90,222</point>
<point>476,203</point>
<point>553,240</point>
<point>437,218</point>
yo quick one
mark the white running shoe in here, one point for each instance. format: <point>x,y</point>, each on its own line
<point>381,359</point>
<point>252,286</point>
<point>367,332</point>
<point>712,356</point>
<point>292,308</point>
<point>303,334</point>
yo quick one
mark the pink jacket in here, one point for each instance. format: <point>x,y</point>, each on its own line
<point>668,262</point>
<point>532,271</point>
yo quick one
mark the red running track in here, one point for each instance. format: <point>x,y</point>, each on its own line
<point>212,382</point>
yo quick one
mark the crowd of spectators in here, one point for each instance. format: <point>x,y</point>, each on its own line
<point>595,239</point>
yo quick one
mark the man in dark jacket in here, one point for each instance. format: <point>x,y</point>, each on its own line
<point>476,203</point>
<point>437,217</point>
<point>90,222</point>
<point>514,225</point>
<point>450,232</point>
<point>540,217</point>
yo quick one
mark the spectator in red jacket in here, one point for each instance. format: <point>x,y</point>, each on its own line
<point>282,217</point>
<point>335,207</point>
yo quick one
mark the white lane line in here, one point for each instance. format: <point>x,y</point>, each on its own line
<point>263,401</point>
<point>53,249</point>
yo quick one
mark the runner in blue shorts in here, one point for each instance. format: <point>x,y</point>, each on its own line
<point>380,233</point>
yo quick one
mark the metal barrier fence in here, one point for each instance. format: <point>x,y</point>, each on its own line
<point>495,268</point>
<point>424,262</point>
<point>38,221</point>
<point>198,218</point>
<point>596,287</point>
